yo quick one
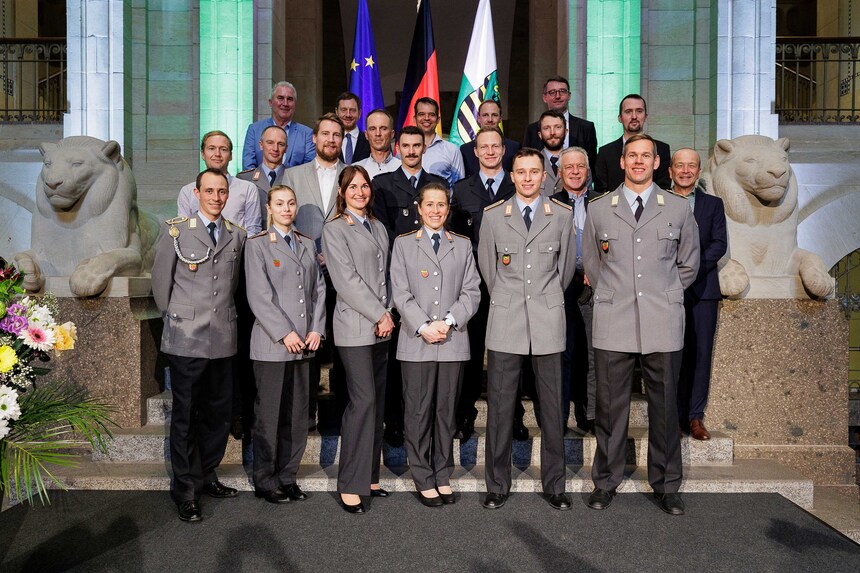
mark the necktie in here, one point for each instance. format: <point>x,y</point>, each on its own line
<point>413,181</point>
<point>289,242</point>
<point>347,156</point>
<point>554,162</point>
<point>211,227</point>
<point>639,208</point>
<point>367,226</point>
<point>272,175</point>
<point>490,189</point>
<point>435,239</point>
<point>527,217</point>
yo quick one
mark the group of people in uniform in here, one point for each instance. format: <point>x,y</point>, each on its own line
<point>364,253</point>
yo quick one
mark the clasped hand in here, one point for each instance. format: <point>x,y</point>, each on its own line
<point>384,325</point>
<point>436,331</point>
<point>296,345</point>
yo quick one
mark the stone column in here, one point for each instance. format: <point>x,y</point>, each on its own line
<point>96,74</point>
<point>303,55</point>
<point>746,39</point>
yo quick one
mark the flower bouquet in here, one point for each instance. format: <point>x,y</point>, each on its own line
<point>40,424</point>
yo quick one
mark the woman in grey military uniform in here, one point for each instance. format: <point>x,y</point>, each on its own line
<point>436,289</point>
<point>286,292</point>
<point>355,249</point>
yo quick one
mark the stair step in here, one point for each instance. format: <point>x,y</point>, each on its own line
<point>158,410</point>
<point>151,444</point>
<point>744,476</point>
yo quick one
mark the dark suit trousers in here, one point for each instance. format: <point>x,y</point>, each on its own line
<point>394,385</point>
<point>430,393</point>
<point>327,353</point>
<point>504,375</point>
<point>199,422</point>
<point>361,427</point>
<point>473,377</point>
<point>698,355</point>
<point>660,372</point>
<point>578,379</point>
<point>281,429</point>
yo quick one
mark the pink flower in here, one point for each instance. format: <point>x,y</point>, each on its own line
<point>37,338</point>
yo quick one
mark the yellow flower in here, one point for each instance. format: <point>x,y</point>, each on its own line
<point>8,359</point>
<point>65,336</point>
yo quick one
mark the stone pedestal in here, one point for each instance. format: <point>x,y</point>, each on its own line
<point>116,355</point>
<point>779,385</point>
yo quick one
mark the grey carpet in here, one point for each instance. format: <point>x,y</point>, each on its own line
<point>139,531</point>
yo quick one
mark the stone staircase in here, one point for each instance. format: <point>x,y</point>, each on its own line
<point>138,459</point>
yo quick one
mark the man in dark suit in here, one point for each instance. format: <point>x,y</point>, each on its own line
<point>489,115</point>
<point>471,195</point>
<point>579,382</point>
<point>300,148</point>
<point>580,132</point>
<point>355,146</point>
<point>608,174</point>
<point>395,204</point>
<point>702,298</point>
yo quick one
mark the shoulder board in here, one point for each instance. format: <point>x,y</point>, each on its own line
<point>335,218</point>
<point>176,220</point>
<point>561,203</point>
<point>228,223</point>
<point>302,235</point>
<point>246,171</point>
<point>496,204</point>
<point>260,234</point>
<point>459,235</point>
<point>599,197</point>
<point>409,233</point>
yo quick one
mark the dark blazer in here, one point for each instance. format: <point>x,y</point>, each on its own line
<point>608,175</point>
<point>395,202</point>
<point>470,160</point>
<point>581,133</point>
<point>711,218</point>
<point>470,198</point>
<point>360,151</point>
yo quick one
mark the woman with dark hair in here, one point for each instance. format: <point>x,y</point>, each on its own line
<point>436,289</point>
<point>355,245</point>
<point>286,292</point>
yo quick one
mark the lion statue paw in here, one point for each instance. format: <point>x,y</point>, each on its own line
<point>29,268</point>
<point>733,279</point>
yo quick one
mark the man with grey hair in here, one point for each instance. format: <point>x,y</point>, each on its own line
<point>579,382</point>
<point>300,145</point>
<point>378,132</point>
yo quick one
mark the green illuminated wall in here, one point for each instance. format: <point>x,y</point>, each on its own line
<point>613,40</point>
<point>227,70</point>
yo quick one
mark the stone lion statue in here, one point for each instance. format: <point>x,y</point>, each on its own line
<point>752,175</point>
<point>86,223</point>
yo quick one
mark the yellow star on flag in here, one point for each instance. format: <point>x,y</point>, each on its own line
<point>353,65</point>
<point>369,61</point>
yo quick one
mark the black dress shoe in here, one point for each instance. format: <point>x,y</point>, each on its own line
<point>219,490</point>
<point>559,501</point>
<point>447,498</point>
<point>671,503</point>
<point>520,431</point>
<point>495,500</point>
<point>294,492</point>
<point>275,496</point>
<point>600,498</point>
<point>237,430</point>
<point>465,429</point>
<point>379,493</point>
<point>430,501</point>
<point>189,510</point>
<point>358,508</point>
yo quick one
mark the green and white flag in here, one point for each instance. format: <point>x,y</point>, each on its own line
<point>479,77</point>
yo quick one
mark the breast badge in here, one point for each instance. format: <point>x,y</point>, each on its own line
<point>604,246</point>
<point>506,260</point>
<point>425,273</point>
<point>277,262</point>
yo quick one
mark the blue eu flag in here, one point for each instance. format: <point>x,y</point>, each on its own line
<point>364,72</point>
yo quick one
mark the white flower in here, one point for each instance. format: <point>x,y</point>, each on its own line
<point>9,403</point>
<point>4,428</point>
<point>36,337</point>
<point>41,315</point>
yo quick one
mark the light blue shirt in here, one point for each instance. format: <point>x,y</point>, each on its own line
<point>535,205</point>
<point>630,196</point>
<point>497,179</point>
<point>279,170</point>
<point>206,225</point>
<point>361,219</point>
<point>444,159</point>
<point>290,235</point>
<point>408,175</point>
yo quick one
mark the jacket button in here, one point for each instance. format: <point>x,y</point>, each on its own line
<point>215,277</point>
<point>301,300</point>
<point>214,260</point>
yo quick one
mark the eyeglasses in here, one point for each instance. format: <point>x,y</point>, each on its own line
<point>552,93</point>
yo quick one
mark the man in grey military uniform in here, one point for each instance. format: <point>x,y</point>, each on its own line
<point>273,144</point>
<point>640,251</point>
<point>527,257</point>
<point>194,276</point>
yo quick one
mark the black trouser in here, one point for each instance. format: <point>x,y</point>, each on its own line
<point>695,382</point>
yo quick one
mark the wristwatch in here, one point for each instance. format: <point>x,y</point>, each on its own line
<point>449,321</point>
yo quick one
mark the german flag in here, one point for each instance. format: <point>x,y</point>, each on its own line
<point>422,77</point>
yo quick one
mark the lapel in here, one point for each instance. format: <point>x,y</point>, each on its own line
<point>514,218</point>
<point>311,182</point>
<point>403,185</point>
<point>540,218</point>
<point>332,199</point>
<point>622,208</point>
<point>201,233</point>
<point>279,245</point>
<point>652,207</point>
<point>291,148</point>
<point>446,245</point>
<point>426,247</point>
<point>225,237</point>
<point>259,178</point>
<point>699,206</point>
<point>360,231</point>
<point>477,189</point>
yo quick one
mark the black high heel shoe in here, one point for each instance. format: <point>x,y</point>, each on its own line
<point>358,508</point>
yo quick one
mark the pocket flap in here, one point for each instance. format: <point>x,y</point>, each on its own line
<point>554,299</point>
<point>675,295</point>
<point>506,249</point>
<point>669,233</point>
<point>603,295</point>
<point>549,247</point>
<point>607,234</point>
<point>184,311</point>
<point>501,299</point>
